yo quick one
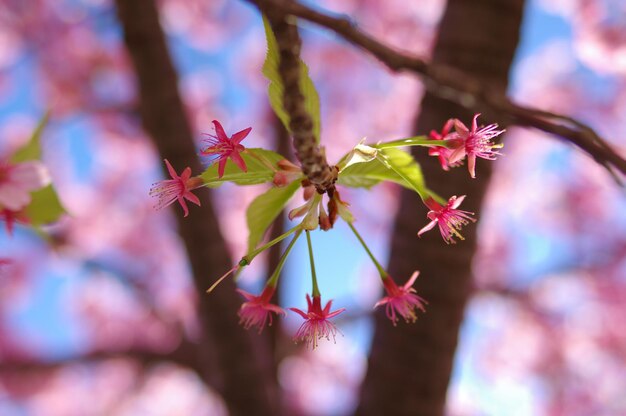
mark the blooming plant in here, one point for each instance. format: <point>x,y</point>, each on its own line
<point>26,195</point>
<point>364,166</point>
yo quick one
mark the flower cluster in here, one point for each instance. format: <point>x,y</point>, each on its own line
<point>257,310</point>
<point>364,166</point>
<point>179,188</point>
<point>465,142</point>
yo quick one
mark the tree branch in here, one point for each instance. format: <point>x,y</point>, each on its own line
<point>186,354</point>
<point>311,157</point>
<point>460,87</point>
<point>418,358</point>
<point>244,379</point>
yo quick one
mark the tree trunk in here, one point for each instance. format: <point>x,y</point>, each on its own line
<point>410,365</point>
<point>243,377</point>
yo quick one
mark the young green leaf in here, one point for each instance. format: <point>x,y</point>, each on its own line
<point>412,141</point>
<point>44,207</point>
<point>261,166</point>
<point>390,165</point>
<point>361,153</point>
<point>32,150</point>
<point>276,88</point>
<point>264,210</point>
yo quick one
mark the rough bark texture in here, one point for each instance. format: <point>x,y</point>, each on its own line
<point>311,156</point>
<point>242,378</point>
<point>410,365</point>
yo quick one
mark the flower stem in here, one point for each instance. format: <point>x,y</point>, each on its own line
<point>247,259</point>
<point>274,278</point>
<point>381,270</point>
<point>224,276</point>
<point>316,289</point>
<point>412,141</point>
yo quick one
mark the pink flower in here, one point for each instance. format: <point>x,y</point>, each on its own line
<point>316,324</point>
<point>257,310</point>
<point>401,300</point>
<point>443,153</point>
<point>475,143</point>
<point>176,189</point>
<point>222,147</point>
<point>18,180</point>
<point>448,217</point>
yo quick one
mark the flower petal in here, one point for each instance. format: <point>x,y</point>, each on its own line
<point>456,155</point>
<point>409,283</point>
<point>190,196</point>
<point>471,165</point>
<point>183,204</point>
<point>460,128</point>
<point>186,174</point>
<point>300,312</point>
<point>247,295</point>
<point>219,130</point>
<point>30,176</point>
<point>457,201</point>
<point>428,227</point>
<point>221,166</point>
<point>13,197</point>
<point>171,170</point>
<point>474,122</point>
<point>240,135</point>
<point>236,157</point>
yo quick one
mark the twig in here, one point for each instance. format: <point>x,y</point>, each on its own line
<point>312,158</point>
<point>457,86</point>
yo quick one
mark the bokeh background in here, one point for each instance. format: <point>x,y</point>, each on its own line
<point>92,318</point>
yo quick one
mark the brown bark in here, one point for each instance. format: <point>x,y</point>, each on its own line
<point>312,158</point>
<point>242,371</point>
<point>410,365</point>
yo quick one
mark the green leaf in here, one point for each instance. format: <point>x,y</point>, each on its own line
<point>391,165</point>
<point>261,166</point>
<point>32,150</point>
<point>361,153</point>
<point>276,88</point>
<point>45,207</point>
<point>412,141</point>
<point>264,209</point>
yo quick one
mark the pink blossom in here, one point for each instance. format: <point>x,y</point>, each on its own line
<point>222,147</point>
<point>316,324</point>
<point>474,143</point>
<point>401,300</point>
<point>176,189</point>
<point>448,217</point>
<point>18,180</point>
<point>442,152</point>
<point>257,310</point>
